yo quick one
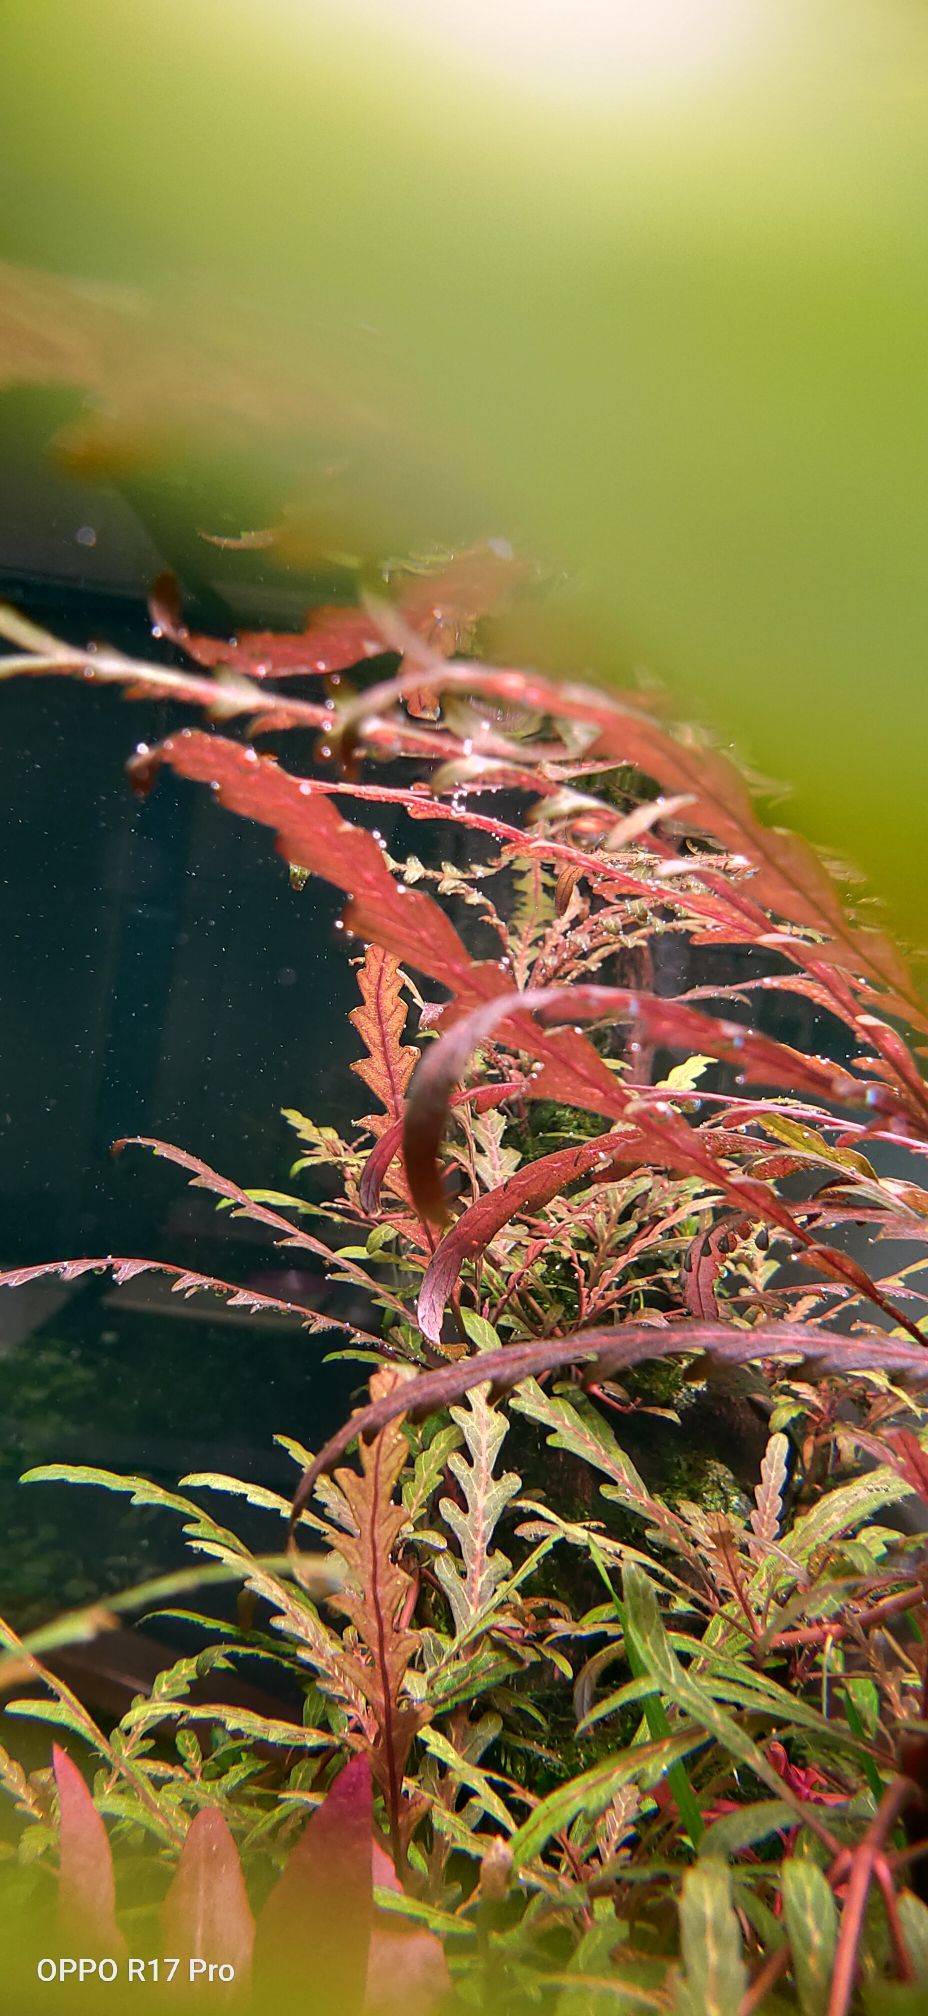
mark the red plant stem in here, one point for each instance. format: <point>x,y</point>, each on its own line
<point>815,1634</point>
<point>884,1877</point>
<point>864,1861</point>
<point>756,1995</point>
<point>394,1784</point>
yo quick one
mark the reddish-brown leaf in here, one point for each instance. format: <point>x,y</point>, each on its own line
<point>86,1884</point>
<point>528,1190</point>
<point>574,1074</point>
<point>183,1282</point>
<point>788,876</point>
<point>481,1097</point>
<point>603,1354</point>
<point>206,1913</point>
<point>374,1597</point>
<point>909,1458</point>
<point>333,641</point>
<point>312,834</point>
<point>313,1935</point>
<point>380,1023</point>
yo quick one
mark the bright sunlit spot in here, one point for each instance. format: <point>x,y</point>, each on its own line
<point>639,48</point>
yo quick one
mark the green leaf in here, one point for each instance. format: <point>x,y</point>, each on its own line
<point>594,1790</point>
<point>464,1772</point>
<point>714,1974</point>
<point>913,1915</point>
<point>682,1077</point>
<point>812,1927</point>
<point>727,1837</point>
<point>479,1332</point>
<point>687,1693</point>
<point>59,1712</point>
<point>486,1497</point>
<point>578,1427</point>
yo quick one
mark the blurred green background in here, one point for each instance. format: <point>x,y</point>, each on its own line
<point>641,287</point>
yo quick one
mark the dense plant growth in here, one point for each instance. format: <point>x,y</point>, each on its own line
<point>633,1745</point>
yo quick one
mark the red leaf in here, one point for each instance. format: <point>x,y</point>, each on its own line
<point>86,1884</point>
<point>482,1097</point>
<point>789,878</point>
<point>576,1075</point>
<point>603,1353</point>
<point>333,641</point>
<point>184,1282</point>
<point>313,1935</point>
<point>314,836</point>
<point>909,1460</point>
<point>407,1974</point>
<point>380,1023</point>
<point>528,1190</point>
<point>206,1912</point>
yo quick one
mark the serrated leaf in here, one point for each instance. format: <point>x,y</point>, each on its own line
<point>380,1022</point>
<point>811,1915</point>
<point>578,1427</point>
<point>589,1794</point>
<point>485,1498</point>
<point>464,1771</point>
<point>373,1596</point>
<point>768,1494</point>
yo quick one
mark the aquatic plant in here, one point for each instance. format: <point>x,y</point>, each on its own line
<point>593,1186</point>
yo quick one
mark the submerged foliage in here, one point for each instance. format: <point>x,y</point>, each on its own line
<point>633,1745</point>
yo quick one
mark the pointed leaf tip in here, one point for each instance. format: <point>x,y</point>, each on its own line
<point>206,1912</point>
<point>86,1883</point>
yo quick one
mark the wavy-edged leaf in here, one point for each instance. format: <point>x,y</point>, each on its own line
<point>380,1022</point>
<point>183,1282</point>
<point>580,1428</point>
<point>714,1973</point>
<point>481,1097</point>
<point>811,1915</point>
<point>244,1205</point>
<point>483,1428</point>
<point>607,1352</point>
<point>767,1510</point>
<point>206,1913</point>
<point>373,1596</point>
<point>758,1058</point>
<point>314,836</point>
<point>788,876</point>
<point>86,1883</point>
